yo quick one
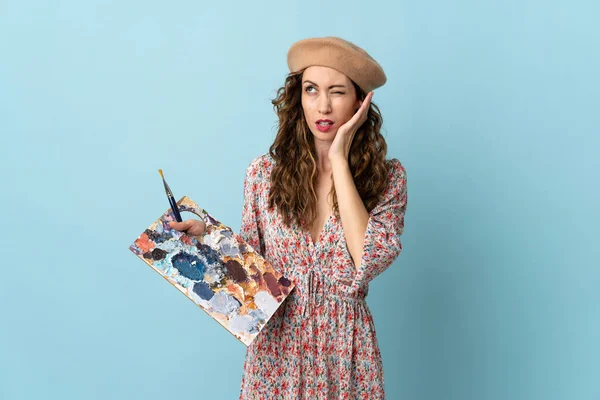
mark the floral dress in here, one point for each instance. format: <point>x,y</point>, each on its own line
<point>321,342</point>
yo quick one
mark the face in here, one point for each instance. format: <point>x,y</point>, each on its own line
<point>328,100</point>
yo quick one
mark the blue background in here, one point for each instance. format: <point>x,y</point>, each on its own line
<point>491,106</point>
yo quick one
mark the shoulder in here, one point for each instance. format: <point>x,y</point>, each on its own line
<point>396,188</point>
<point>397,171</point>
<point>260,167</point>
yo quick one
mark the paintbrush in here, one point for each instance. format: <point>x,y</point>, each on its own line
<point>171,198</point>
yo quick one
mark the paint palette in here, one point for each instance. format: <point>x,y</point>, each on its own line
<point>219,271</point>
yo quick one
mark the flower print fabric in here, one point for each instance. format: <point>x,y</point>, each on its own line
<point>321,342</point>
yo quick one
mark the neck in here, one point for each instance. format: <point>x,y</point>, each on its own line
<point>323,163</point>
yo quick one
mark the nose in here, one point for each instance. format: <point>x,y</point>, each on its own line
<point>324,104</point>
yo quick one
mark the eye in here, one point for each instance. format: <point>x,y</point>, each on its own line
<point>338,92</point>
<point>308,87</point>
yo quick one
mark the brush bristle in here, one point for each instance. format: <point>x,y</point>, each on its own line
<point>161,174</point>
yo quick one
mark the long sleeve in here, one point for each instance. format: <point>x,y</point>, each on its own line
<point>250,229</point>
<point>382,243</point>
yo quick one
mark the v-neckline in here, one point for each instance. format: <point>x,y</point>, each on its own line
<point>321,233</point>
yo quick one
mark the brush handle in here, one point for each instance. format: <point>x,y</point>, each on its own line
<point>175,209</point>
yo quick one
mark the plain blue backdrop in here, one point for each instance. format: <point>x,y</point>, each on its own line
<point>492,107</point>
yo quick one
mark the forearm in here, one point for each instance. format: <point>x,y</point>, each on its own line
<point>353,213</point>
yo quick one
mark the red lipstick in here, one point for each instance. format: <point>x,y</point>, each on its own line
<point>324,125</point>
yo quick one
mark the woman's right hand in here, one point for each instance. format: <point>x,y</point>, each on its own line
<point>192,227</point>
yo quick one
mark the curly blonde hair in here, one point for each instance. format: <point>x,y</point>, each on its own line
<point>295,173</point>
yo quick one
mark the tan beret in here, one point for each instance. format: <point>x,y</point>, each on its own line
<point>339,54</point>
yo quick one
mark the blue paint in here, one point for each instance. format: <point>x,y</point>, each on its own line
<point>203,290</point>
<point>225,303</point>
<point>211,255</point>
<point>258,319</point>
<point>189,266</point>
<point>157,237</point>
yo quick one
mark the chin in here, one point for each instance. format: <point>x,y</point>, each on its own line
<point>317,132</point>
<point>325,135</point>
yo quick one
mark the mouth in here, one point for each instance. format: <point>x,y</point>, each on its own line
<point>324,125</point>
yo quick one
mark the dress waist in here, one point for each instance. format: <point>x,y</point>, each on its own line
<point>315,287</point>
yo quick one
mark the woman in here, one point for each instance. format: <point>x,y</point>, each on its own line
<point>326,208</point>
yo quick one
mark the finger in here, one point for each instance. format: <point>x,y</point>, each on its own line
<point>365,104</point>
<point>186,224</point>
<point>360,116</point>
<point>367,101</point>
<point>180,226</point>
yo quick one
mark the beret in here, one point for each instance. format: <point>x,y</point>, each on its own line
<point>339,54</point>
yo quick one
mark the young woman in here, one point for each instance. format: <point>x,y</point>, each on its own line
<point>326,208</point>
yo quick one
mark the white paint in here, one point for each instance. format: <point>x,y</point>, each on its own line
<point>266,302</point>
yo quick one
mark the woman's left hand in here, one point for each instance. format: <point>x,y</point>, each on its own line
<point>345,133</point>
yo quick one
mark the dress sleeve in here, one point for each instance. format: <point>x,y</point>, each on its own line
<point>382,243</point>
<point>250,229</point>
